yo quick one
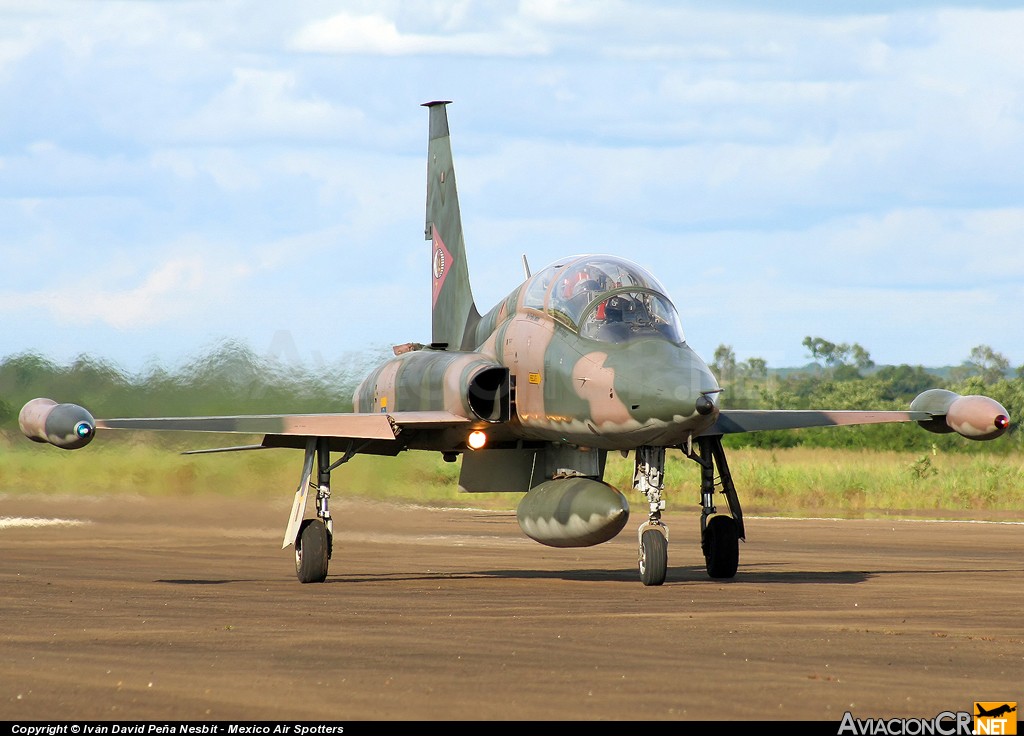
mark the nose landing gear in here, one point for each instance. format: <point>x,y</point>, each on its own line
<point>649,479</point>
<point>720,534</point>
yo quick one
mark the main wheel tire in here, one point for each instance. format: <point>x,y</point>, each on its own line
<point>653,557</point>
<point>721,546</point>
<point>312,552</point>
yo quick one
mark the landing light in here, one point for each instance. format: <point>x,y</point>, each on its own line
<point>477,439</point>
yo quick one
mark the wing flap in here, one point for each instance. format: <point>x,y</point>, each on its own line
<point>733,421</point>
<point>237,448</point>
<point>427,419</point>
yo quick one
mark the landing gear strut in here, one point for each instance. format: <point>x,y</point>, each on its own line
<point>649,479</point>
<point>720,534</point>
<point>314,538</point>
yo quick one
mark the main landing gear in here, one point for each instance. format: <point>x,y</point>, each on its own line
<point>720,534</point>
<point>314,538</point>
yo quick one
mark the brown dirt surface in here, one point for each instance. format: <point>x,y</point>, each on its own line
<point>189,609</point>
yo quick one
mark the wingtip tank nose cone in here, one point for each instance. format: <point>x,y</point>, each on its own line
<point>978,417</point>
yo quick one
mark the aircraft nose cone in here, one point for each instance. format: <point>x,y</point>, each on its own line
<point>704,405</point>
<point>674,385</point>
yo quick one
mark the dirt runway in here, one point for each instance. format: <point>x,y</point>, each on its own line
<point>188,609</point>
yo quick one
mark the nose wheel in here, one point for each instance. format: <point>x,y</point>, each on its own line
<point>653,555</point>
<point>649,479</point>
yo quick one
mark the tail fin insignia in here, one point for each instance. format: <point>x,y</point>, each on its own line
<point>442,264</point>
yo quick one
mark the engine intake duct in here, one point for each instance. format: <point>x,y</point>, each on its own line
<point>489,394</point>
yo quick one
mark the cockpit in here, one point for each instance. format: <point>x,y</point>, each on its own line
<point>605,298</point>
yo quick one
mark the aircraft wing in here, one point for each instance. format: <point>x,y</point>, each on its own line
<point>365,426</point>
<point>937,410</point>
<point>732,421</point>
<point>291,430</point>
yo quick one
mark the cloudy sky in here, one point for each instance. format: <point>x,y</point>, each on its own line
<point>173,174</point>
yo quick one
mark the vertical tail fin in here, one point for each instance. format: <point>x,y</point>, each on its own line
<point>455,313</point>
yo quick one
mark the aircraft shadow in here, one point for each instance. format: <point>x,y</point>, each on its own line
<point>675,575</point>
<point>206,582</point>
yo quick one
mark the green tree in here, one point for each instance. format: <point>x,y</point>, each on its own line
<point>846,361</point>
<point>860,357</point>
<point>905,382</point>
<point>984,362</point>
<point>754,369</point>
<point>724,363</point>
<point>820,349</point>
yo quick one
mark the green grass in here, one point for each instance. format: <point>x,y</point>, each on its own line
<point>791,482</point>
<point>804,481</point>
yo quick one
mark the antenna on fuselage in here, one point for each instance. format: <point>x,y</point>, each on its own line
<point>526,266</point>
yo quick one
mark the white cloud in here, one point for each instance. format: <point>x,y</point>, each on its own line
<point>349,33</point>
<point>266,104</point>
<point>175,289</point>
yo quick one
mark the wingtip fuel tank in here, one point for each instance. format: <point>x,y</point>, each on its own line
<point>67,426</point>
<point>975,417</point>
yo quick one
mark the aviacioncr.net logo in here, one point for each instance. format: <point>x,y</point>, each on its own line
<point>995,718</point>
<point>946,723</point>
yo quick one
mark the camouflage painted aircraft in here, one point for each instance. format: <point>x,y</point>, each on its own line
<point>583,358</point>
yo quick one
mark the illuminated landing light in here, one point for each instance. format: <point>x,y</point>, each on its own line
<point>477,439</point>
<point>1002,421</point>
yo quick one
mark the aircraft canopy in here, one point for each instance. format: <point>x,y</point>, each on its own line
<point>605,298</point>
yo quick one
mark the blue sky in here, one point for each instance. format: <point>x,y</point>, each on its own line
<point>173,174</point>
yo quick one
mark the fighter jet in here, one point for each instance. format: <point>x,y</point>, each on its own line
<point>584,357</point>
